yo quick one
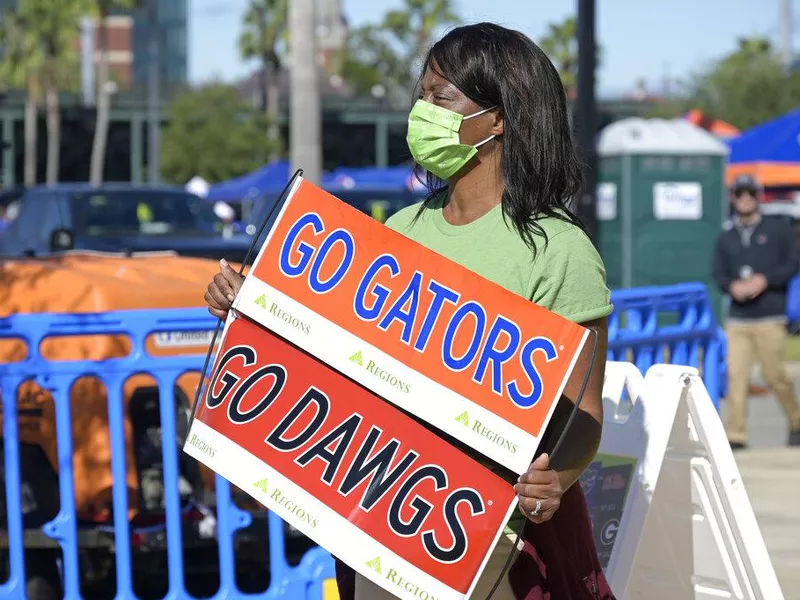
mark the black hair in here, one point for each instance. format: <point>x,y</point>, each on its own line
<point>498,67</point>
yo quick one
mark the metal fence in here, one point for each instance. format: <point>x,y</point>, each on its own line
<point>673,324</point>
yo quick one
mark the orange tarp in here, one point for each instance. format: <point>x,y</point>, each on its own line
<point>87,283</point>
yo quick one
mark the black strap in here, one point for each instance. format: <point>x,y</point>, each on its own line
<point>515,550</point>
<point>278,202</point>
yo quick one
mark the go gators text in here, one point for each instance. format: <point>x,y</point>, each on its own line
<point>309,250</point>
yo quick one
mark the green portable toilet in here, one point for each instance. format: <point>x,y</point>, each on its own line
<point>661,201</point>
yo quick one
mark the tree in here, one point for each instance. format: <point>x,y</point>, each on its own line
<point>22,66</point>
<point>213,133</point>
<point>55,26</point>
<point>561,46</point>
<point>744,88</point>
<point>389,53</point>
<point>264,38</point>
<point>102,8</point>
<point>560,43</point>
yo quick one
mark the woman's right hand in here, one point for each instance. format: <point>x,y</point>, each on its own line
<point>222,290</point>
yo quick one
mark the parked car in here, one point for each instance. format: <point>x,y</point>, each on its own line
<point>118,218</point>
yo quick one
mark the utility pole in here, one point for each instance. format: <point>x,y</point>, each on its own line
<point>586,117</point>
<point>153,93</point>
<point>785,18</point>
<point>305,143</point>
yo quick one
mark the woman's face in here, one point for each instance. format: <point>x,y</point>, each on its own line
<point>439,91</point>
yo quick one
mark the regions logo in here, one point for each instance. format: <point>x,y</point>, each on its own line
<point>292,507</point>
<point>375,565</point>
<point>281,314</point>
<point>374,369</point>
<point>396,579</point>
<point>487,433</point>
<point>202,445</point>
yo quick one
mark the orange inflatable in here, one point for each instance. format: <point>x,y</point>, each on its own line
<point>88,283</point>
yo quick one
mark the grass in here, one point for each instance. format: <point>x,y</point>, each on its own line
<point>793,348</point>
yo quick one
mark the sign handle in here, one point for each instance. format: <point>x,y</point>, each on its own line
<point>278,202</point>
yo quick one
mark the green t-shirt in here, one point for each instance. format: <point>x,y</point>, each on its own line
<point>566,275</point>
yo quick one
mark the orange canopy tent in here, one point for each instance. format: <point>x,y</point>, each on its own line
<point>770,152</point>
<point>716,127</point>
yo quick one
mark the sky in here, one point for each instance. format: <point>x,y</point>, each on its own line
<point>653,40</point>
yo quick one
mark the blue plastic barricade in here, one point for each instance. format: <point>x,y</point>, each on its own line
<point>793,301</point>
<point>301,582</point>
<point>669,324</point>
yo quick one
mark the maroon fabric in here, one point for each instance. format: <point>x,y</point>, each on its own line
<point>345,580</point>
<point>558,561</point>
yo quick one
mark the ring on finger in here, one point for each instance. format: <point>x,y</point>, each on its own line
<point>537,508</point>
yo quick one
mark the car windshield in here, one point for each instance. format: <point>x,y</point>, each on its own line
<point>142,212</point>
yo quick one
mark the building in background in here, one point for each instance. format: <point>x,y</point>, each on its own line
<point>120,47</point>
<point>171,24</point>
<point>128,38</point>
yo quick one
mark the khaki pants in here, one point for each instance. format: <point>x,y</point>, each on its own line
<point>766,342</point>
<point>366,590</point>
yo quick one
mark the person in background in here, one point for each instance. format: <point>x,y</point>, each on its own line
<point>754,260</point>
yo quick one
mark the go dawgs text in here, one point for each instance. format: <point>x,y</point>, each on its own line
<point>307,433</point>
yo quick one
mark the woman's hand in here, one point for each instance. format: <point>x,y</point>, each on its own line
<point>222,290</point>
<point>539,490</point>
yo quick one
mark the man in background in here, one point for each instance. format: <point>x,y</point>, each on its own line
<point>753,262</point>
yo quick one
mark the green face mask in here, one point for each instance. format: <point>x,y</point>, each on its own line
<point>434,142</point>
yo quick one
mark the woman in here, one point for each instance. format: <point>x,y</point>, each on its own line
<point>491,128</point>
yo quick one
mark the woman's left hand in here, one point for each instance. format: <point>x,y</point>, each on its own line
<point>539,490</point>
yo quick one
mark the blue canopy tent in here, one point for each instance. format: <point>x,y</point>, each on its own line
<point>375,191</point>
<point>252,185</point>
<point>395,178</point>
<point>770,152</point>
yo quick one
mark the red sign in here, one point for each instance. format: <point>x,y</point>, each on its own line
<point>368,483</point>
<point>412,325</point>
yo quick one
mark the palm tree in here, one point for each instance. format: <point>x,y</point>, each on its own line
<point>102,10</point>
<point>561,46</point>
<point>55,25</point>
<point>414,25</point>
<point>264,38</point>
<point>22,67</point>
<point>388,54</point>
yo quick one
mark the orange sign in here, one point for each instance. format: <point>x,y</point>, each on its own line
<point>462,353</point>
<point>371,485</point>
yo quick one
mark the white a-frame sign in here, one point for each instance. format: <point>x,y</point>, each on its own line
<point>671,517</point>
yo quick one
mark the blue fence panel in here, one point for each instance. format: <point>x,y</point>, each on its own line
<point>669,324</point>
<point>58,377</point>
<point>793,300</point>
<point>636,332</point>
